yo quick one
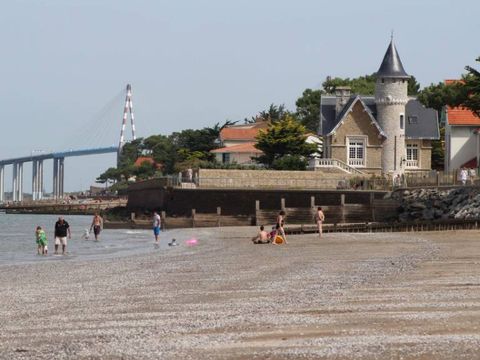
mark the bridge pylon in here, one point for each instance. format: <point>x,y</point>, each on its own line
<point>128,109</point>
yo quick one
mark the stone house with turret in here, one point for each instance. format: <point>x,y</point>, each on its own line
<point>388,133</point>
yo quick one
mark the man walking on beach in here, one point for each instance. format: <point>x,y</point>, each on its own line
<point>97,225</point>
<point>156,225</point>
<point>61,230</point>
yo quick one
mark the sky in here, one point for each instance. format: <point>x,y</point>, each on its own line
<point>194,63</point>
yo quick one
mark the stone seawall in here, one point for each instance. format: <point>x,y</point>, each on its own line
<point>439,204</point>
<point>221,178</point>
<point>180,202</point>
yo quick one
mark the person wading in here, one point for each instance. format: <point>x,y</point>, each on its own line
<point>61,230</point>
<point>97,225</point>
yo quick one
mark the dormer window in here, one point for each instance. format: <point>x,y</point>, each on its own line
<point>413,119</point>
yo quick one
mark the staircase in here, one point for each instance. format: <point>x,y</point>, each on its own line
<point>324,164</point>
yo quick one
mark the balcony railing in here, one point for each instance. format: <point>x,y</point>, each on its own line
<point>356,162</point>
<point>411,164</point>
<point>327,163</point>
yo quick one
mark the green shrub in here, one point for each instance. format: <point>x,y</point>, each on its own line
<point>290,162</point>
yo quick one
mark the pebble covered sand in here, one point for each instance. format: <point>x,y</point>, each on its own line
<point>345,296</point>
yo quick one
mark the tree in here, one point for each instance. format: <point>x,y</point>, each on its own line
<point>469,90</point>
<point>438,151</point>
<point>130,152</point>
<point>290,162</point>
<point>273,114</point>
<point>413,86</point>
<point>308,109</point>
<point>111,174</point>
<point>364,85</point>
<point>145,170</point>
<point>285,137</point>
<point>436,96</point>
<point>162,151</point>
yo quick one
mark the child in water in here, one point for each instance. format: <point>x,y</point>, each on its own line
<point>42,241</point>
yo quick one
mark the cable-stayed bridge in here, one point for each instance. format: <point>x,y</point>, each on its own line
<point>58,158</point>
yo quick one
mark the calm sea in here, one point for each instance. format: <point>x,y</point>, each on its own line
<point>17,240</point>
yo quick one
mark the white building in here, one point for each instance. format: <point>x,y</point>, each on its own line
<point>462,145</point>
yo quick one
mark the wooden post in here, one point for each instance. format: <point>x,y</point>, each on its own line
<point>162,218</point>
<point>257,210</point>
<point>282,204</point>
<point>193,217</point>
<point>372,206</point>
<point>312,207</point>
<point>342,204</point>
<point>438,179</point>
<point>219,214</point>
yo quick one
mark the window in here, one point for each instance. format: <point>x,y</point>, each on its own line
<point>413,119</point>
<point>412,152</point>
<point>226,158</point>
<point>383,81</point>
<point>401,121</point>
<point>356,152</point>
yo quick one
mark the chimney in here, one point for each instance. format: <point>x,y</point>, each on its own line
<point>342,95</point>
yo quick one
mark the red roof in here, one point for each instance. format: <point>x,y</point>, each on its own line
<point>231,133</point>
<point>240,148</point>
<point>471,164</point>
<point>140,160</point>
<point>460,115</point>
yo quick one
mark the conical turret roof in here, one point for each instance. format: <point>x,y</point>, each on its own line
<point>392,65</point>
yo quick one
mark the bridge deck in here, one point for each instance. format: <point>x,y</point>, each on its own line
<point>60,154</point>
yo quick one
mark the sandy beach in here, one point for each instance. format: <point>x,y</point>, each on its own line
<point>345,296</point>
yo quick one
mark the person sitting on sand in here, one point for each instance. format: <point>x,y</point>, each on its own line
<point>262,237</point>
<point>42,242</point>
<point>271,234</point>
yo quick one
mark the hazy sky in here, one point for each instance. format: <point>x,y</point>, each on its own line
<point>194,63</point>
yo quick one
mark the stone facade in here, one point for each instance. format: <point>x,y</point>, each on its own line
<point>222,178</point>
<point>391,98</point>
<point>358,124</point>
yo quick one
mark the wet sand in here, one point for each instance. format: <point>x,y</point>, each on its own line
<point>346,296</point>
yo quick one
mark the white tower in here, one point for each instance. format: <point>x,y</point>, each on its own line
<point>391,97</point>
<point>128,108</point>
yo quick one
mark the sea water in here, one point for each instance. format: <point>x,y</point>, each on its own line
<point>17,240</point>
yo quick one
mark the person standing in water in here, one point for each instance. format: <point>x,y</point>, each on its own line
<point>97,225</point>
<point>157,222</point>
<point>320,218</point>
<point>42,241</point>
<point>62,228</point>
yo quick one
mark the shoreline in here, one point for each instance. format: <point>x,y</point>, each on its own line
<point>343,296</point>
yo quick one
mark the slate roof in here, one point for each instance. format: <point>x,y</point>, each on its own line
<point>392,65</point>
<point>424,126</point>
